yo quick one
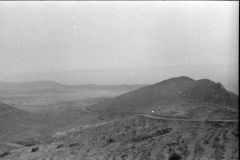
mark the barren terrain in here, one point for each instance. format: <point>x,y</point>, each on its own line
<point>177,119</point>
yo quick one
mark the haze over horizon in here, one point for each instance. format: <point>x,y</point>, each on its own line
<point>119,42</point>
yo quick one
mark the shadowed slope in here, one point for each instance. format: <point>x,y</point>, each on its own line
<point>10,115</point>
<point>16,124</point>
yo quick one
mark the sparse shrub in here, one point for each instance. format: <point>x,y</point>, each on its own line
<point>59,146</point>
<point>35,149</point>
<point>133,148</point>
<point>175,156</point>
<point>74,145</point>
<point>162,131</point>
<point>134,132</point>
<point>206,141</point>
<point>110,140</point>
<point>170,150</point>
<point>123,157</point>
<point>217,139</point>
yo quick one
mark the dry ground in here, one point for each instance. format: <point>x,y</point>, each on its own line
<point>139,138</point>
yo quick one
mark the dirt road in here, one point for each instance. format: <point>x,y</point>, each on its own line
<point>161,118</point>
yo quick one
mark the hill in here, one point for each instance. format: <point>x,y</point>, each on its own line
<point>11,116</point>
<point>17,125</point>
<point>23,87</point>
<point>180,96</point>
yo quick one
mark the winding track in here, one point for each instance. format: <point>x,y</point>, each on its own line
<point>161,118</point>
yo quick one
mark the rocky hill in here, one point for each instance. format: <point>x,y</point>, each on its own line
<point>180,96</point>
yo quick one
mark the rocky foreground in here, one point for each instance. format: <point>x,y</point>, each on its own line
<point>140,138</point>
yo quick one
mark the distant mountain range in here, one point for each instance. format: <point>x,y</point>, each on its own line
<point>50,86</point>
<point>180,96</point>
<point>226,74</point>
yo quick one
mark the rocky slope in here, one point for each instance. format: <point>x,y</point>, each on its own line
<point>19,128</point>
<point>139,138</point>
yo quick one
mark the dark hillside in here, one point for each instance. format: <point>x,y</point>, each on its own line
<point>180,94</point>
<point>16,124</point>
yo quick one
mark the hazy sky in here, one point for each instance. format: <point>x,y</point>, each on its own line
<point>62,36</point>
